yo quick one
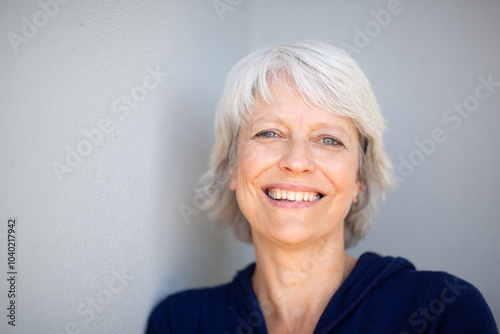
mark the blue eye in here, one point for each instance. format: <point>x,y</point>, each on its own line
<point>330,141</point>
<point>267,134</point>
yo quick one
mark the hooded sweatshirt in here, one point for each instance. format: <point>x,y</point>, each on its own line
<point>381,295</point>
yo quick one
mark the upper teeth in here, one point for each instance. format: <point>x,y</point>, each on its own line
<point>297,196</point>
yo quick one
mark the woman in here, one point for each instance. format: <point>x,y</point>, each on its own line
<point>295,167</point>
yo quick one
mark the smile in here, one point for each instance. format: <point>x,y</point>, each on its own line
<point>292,196</point>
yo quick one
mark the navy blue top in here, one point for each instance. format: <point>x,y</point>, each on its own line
<point>381,295</point>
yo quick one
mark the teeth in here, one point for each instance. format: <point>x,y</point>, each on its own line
<point>298,196</point>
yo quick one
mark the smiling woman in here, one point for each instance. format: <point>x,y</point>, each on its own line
<point>295,167</point>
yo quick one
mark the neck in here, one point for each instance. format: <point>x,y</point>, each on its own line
<point>295,284</point>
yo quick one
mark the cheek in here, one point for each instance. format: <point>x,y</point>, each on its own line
<point>253,160</point>
<point>341,170</point>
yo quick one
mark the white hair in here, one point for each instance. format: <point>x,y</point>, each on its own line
<point>326,78</point>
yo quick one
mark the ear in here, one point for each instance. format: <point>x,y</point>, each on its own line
<point>357,190</point>
<point>232,184</point>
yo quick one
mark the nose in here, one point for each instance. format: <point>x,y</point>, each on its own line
<point>297,157</point>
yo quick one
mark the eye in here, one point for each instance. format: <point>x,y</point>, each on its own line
<point>331,141</point>
<point>267,134</point>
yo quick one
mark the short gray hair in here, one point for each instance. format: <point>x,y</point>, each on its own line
<point>327,78</point>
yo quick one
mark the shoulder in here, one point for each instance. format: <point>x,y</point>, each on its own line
<point>396,273</point>
<point>448,304</point>
<point>436,287</point>
<point>188,310</point>
<point>432,301</point>
<point>205,310</point>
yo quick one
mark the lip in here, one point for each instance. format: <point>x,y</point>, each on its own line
<point>292,204</point>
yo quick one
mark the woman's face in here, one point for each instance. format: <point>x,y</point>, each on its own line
<point>310,157</point>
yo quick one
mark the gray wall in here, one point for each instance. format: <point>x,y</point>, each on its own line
<point>117,228</point>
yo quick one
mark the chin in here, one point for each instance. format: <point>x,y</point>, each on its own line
<point>291,233</point>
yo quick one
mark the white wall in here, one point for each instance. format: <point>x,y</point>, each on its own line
<point>99,247</point>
